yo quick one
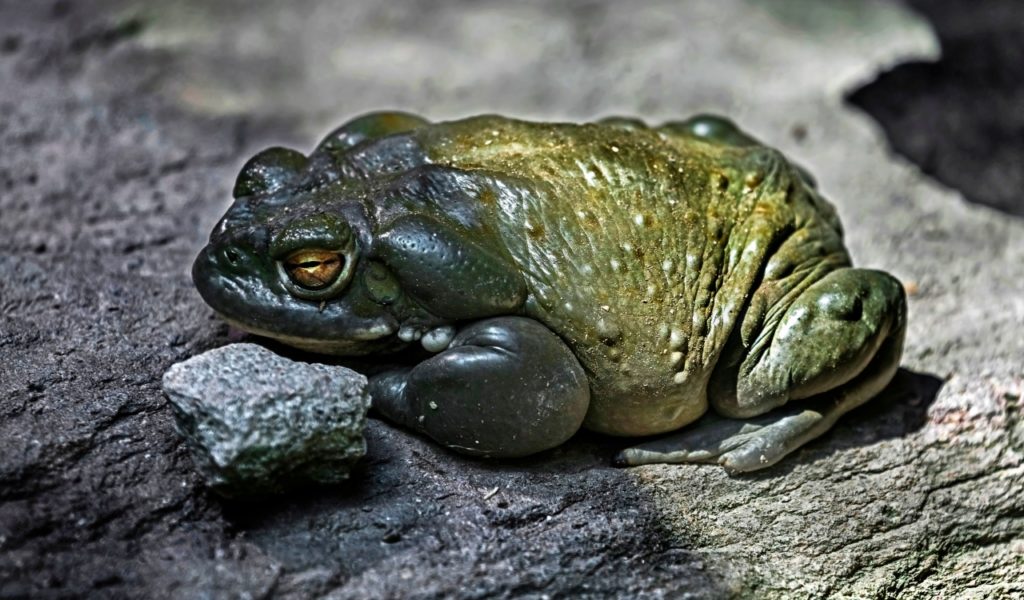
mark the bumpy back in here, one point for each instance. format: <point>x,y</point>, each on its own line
<point>640,246</point>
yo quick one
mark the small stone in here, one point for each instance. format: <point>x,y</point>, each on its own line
<point>258,423</point>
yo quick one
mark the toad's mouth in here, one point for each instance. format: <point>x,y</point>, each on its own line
<point>366,341</point>
<point>246,302</point>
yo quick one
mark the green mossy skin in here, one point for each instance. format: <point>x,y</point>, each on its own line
<point>662,256</point>
<point>642,247</point>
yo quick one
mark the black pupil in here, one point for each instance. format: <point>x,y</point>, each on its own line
<point>310,264</point>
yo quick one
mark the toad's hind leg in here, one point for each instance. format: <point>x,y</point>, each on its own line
<point>835,347</point>
<point>504,387</point>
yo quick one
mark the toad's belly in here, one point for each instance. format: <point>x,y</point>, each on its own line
<point>646,300</point>
<point>644,279</point>
<point>647,375</point>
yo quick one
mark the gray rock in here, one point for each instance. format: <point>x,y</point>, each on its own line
<point>258,423</point>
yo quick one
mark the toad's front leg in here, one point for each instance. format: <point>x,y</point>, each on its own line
<point>504,387</point>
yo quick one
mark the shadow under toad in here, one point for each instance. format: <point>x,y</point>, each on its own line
<point>899,410</point>
<point>411,498</point>
<point>566,510</point>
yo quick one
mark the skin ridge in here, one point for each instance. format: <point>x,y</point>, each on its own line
<point>641,249</point>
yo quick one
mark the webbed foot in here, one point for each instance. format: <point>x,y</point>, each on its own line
<point>737,445</point>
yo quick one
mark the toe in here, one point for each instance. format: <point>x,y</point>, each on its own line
<point>755,454</point>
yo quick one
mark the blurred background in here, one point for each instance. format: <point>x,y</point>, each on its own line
<point>942,77</point>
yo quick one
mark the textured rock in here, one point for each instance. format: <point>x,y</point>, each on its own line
<point>259,423</point>
<point>122,129</point>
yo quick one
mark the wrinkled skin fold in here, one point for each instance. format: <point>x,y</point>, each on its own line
<point>611,275</point>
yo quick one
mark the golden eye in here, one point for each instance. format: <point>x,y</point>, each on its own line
<point>314,269</point>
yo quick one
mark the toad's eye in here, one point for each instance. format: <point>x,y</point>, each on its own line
<point>314,269</point>
<point>316,257</point>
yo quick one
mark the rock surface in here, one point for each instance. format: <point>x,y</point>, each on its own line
<point>122,129</point>
<point>258,423</point>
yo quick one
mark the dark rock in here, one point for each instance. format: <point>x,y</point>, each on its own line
<point>961,118</point>
<point>258,423</point>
